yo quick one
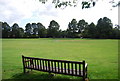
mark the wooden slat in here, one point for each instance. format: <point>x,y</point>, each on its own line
<point>58,67</point>
<point>75,68</point>
<point>52,65</point>
<point>55,66</point>
<point>35,64</point>
<point>79,69</point>
<point>49,65</point>
<point>72,67</point>
<point>65,67</point>
<point>61,67</point>
<point>40,65</point>
<point>68,68</point>
<point>28,63</point>
<point>46,65</point>
<point>43,65</point>
<point>31,62</point>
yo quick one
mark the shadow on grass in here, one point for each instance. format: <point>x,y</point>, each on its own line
<point>41,76</point>
<point>44,76</point>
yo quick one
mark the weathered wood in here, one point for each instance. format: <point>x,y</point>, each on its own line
<point>55,66</point>
<point>49,66</point>
<point>46,65</point>
<point>68,68</point>
<point>65,67</point>
<point>80,69</point>
<point>83,70</point>
<point>23,64</point>
<point>72,68</point>
<point>76,68</point>
<point>61,67</point>
<point>40,64</point>
<point>43,65</point>
<point>54,60</point>
<point>58,68</point>
<point>52,65</point>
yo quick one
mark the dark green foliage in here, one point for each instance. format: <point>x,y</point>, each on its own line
<point>5,30</point>
<point>28,30</point>
<point>116,33</point>
<point>53,29</point>
<point>103,30</point>
<point>34,29</point>
<point>104,27</point>
<point>81,25</point>
<point>72,28</point>
<point>21,32</point>
<point>90,31</point>
<point>42,32</point>
<point>12,32</point>
<point>15,30</point>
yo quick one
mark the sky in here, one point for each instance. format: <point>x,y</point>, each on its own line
<point>32,11</point>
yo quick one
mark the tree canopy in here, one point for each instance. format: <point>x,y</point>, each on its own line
<point>53,29</point>
<point>76,29</point>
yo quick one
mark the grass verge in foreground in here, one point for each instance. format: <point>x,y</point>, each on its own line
<point>101,56</point>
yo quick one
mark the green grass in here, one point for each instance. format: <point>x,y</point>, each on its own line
<point>100,54</point>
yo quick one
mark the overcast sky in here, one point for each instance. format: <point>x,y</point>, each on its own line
<point>32,11</point>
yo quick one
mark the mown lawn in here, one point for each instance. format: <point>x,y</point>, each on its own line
<point>100,54</point>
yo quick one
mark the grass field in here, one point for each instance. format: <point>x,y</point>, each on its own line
<point>100,54</point>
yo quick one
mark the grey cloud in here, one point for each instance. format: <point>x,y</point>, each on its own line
<point>9,13</point>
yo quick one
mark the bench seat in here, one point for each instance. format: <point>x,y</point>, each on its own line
<point>68,71</point>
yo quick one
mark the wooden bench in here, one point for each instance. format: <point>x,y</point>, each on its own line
<point>55,66</point>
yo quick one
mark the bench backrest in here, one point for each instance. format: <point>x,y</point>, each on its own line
<point>55,66</point>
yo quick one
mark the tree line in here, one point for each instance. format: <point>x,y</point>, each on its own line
<point>76,29</point>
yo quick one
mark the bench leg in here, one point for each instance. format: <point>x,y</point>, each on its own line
<point>24,70</point>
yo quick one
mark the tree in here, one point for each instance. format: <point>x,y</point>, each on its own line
<point>81,25</point>
<point>63,34</point>
<point>90,31</point>
<point>21,32</point>
<point>15,30</point>
<point>116,33</point>
<point>28,30</point>
<point>53,29</point>
<point>34,29</point>
<point>5,30</point>
<point>72,28</point>
<point>104,27</point>
<point>41,30</point>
